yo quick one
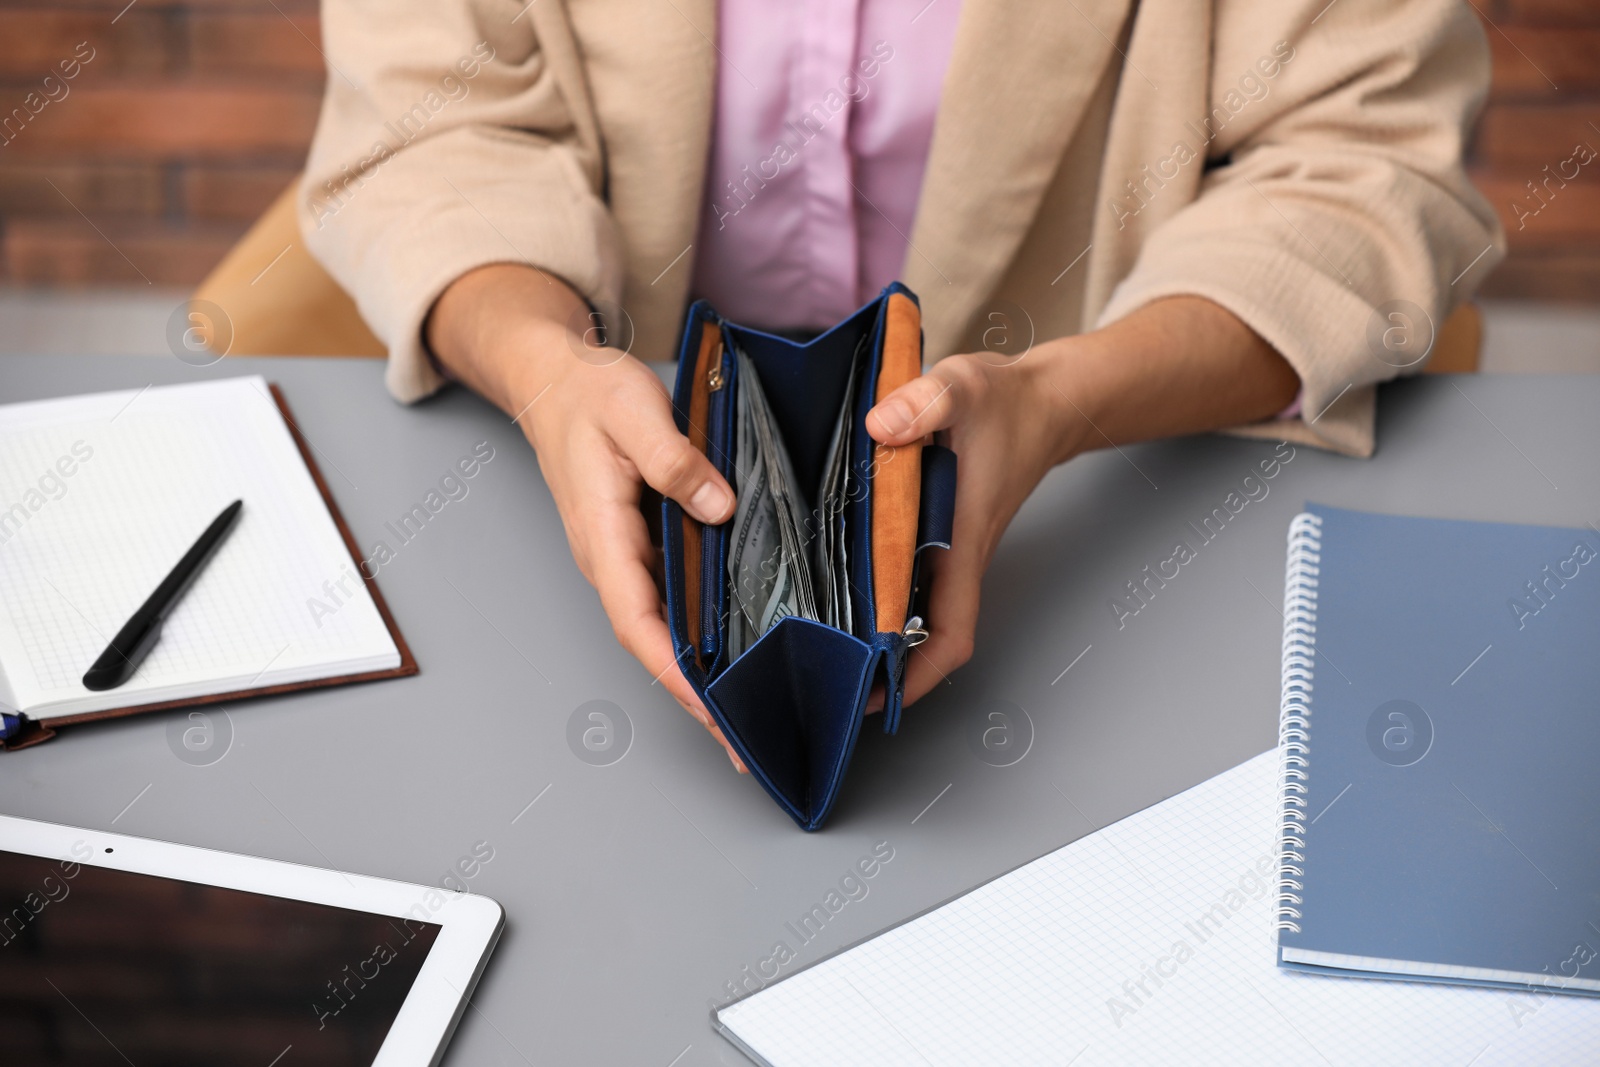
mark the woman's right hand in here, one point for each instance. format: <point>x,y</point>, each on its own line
<point>601,424</point>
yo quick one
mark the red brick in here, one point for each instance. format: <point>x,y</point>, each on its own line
<point>1533,133</point>
<point>1549,12</point>
<point>1567,218</point>
<point>1564,277</point>
<point>187,121</point>
<point>233,193</point>
<point>266,43</point>
<point>49,189</point>
<point>72,252</point>
<point>1543,61</point>
<point>112,8</point>
<point>35,42</point>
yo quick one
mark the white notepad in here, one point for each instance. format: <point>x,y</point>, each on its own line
<point>1044,965</point>
<point>101,495</point>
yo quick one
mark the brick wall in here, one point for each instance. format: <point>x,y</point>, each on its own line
<point>193,114</point>
<point>188,119</point>
<point>1544,103</point>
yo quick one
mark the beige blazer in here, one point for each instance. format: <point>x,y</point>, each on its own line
<point>1296,161</point>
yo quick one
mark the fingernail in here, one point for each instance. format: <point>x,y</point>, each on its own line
<point>894,416</point>
<point>709,502</point>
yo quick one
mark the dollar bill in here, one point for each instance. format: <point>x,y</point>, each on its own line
<point>769,570</point>
<point>830,563</point>
<point>791,509</point>
<point>754,536</point>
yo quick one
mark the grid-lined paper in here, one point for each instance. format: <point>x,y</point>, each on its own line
<point>99,498</point>
<point>1030,969</point>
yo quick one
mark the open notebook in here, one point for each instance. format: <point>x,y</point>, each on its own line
<point>1151,941</point>
<point>99,497</point>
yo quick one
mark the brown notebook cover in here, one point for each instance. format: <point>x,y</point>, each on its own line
<point>34,732</point>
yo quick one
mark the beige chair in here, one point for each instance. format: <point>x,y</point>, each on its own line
<point>281,302</point>
<point>1460,343</point>
<point>277,299</point>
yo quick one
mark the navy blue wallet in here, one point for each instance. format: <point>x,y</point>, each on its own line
<point>792,702</point>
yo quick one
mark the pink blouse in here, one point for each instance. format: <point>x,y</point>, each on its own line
<point>824,114</point>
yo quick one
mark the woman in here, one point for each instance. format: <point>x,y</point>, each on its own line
<point>1189,216</point>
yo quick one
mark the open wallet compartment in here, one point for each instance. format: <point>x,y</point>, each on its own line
<point>792,700</point>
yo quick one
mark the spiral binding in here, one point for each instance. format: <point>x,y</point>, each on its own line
<point>1294,715</point>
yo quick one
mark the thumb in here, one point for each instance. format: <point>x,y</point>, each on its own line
<point>919,407</point>
<point>673,467</point>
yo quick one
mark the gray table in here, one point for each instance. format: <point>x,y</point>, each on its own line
<point>637,890</point>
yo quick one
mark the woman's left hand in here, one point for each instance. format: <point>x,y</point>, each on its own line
<point>1175,366</point>
<point>1003,419</point>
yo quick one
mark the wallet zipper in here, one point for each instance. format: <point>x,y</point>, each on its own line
<point>711,562</point>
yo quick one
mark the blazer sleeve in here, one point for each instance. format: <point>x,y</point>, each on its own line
<point>446,142</point>
<point>1335,204</point>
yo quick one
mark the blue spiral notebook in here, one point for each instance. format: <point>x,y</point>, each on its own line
<point>1440,731</point>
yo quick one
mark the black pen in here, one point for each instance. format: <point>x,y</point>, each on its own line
<point>135,640</point>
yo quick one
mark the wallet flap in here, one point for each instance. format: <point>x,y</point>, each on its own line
<point>791,706</point>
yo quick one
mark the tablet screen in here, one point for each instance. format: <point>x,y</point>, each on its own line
<point>100,966</point>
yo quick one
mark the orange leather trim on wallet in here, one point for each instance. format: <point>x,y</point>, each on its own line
<point>693,530</point>
<point>897,473</point>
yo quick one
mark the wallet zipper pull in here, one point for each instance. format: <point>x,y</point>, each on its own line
<point>714,377</point>
<point>915,632</point>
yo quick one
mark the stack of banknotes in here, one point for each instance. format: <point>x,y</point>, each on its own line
<point>786,555</point>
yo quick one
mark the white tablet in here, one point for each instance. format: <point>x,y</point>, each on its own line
<point>118,949</point>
